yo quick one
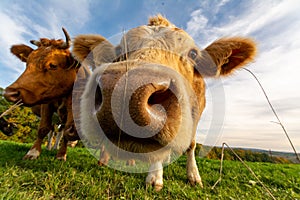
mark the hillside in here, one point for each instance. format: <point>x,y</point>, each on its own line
<point>80,178</point>
<point>252,155</point>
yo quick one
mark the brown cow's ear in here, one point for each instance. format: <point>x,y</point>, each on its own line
<point>229,54</point>
<point>22,51</point>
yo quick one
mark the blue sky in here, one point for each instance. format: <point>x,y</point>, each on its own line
<point>237,112</point>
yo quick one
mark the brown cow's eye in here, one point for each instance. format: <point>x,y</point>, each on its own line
<point>52,66</point>
<point>193,54</point>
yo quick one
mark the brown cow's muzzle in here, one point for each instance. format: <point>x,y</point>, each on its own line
<point>141,100</point>
<point>12,94</point>
<point>28,97</point>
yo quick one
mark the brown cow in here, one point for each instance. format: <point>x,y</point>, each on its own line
<point>149,101</point>
<point>47,80</point>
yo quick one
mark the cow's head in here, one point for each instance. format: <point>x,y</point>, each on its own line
<point>50,71</point>
<point>155,64</point>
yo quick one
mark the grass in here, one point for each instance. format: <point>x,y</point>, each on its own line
<point>81,178</point>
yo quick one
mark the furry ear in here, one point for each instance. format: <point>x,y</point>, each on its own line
<point>230,54</point>
<point>22,51</point>
<point>93,49</point>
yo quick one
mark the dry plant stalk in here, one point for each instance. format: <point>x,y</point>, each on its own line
<point>249,169</point>
<point>274,112</point>
<point>17,104</point>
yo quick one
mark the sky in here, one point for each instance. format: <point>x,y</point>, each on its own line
<point>237,111</point>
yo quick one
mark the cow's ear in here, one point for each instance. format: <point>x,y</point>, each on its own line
<point>22,51</point>
<point>229,54</point>
<point>93,49</point>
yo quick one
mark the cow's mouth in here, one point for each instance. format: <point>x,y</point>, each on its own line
<point>12,95</point>
<point>23,96</point>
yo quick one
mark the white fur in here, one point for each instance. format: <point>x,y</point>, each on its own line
<point>33,154</point>
<point>155,176</point>
<point>192,169</point>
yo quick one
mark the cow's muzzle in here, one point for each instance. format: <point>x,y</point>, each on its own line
<point>12,95</point>
<point>139,99</point>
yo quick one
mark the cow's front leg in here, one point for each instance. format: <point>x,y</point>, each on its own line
<point>58,137</point>
<point>155,176</point>
<point>70,132</point>
<point>192,169</point>
<point>104,157</point>
<point>36,148</point>
<point>50,139</point>
<point>62,152</point>
<point>44,128</point>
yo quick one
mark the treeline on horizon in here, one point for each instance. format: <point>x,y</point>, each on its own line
<point>26,124</point>
<point>245,154</point>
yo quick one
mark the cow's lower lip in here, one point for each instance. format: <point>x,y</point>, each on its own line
<point>15,100</point>
<point>11,96</point>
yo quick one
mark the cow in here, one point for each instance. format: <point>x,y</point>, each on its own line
<point>148,101</point>
<point>47,81</point>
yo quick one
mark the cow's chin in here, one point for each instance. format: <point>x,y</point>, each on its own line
<point>30,103</point>
<point>30,99</point>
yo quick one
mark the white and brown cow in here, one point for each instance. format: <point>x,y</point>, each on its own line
<point>147,103</point>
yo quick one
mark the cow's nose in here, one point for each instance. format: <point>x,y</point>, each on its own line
<point>12,95</point>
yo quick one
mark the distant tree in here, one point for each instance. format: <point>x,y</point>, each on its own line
<point>246,155</point>
<point>277,159</point>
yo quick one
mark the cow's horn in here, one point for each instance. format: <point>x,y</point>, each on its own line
<point>35,42</point>
<point>66,44</point>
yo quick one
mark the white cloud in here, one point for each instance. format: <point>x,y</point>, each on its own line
<point>34,20</point>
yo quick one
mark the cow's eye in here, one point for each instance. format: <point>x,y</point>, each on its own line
<point>193,54</point>
<point>52,66</point>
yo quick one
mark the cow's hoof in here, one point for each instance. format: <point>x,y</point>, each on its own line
<point>194,178</point>
<point>102,163</point>
<point>32,154</point>
<point>62,157</point>
<point>29,157</point>
<point>130,162</point>
<point>72,143</point>
<point>154,181</point>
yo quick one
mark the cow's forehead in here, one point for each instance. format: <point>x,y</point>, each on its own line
<point>48,54</point>
<point>48,51</point>
<point>167,38</point>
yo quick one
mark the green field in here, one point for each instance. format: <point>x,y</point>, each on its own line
<point>80,178</point>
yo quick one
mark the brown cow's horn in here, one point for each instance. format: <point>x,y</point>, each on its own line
<point>35,42</point>
<point>66,44</point>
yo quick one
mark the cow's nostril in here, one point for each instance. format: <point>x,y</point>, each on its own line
<point>12,94</point>
<point>98,98</point>
<point>159,97</point>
